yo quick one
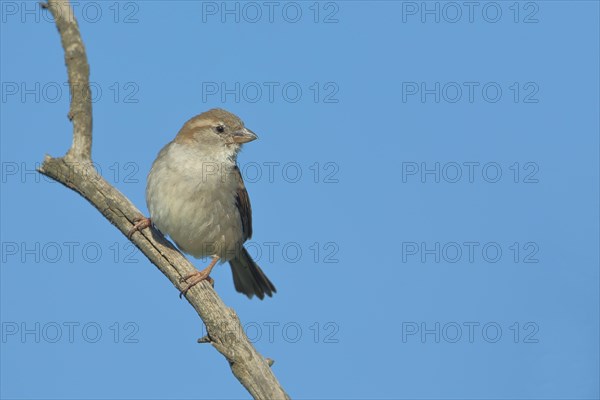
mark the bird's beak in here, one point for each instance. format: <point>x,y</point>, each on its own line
<point>244,136</point>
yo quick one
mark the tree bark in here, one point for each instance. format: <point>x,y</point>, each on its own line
<point>75,170</point>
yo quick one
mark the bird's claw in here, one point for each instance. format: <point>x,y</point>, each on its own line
<point>195,277</point>
<point>138,225</point>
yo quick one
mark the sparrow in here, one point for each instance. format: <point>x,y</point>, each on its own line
<point>195,194</point>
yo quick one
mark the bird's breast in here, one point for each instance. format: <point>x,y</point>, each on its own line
<point>193,201</point>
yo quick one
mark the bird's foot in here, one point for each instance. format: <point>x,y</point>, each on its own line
<point>198,276</point>
<point>195,278</point>
<point>139,224</point>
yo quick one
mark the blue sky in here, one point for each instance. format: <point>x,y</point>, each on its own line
<point>425,193</point>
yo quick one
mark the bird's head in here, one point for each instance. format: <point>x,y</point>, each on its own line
<point>216,128</point>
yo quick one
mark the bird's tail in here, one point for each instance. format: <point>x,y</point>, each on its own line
<point>248,278</point>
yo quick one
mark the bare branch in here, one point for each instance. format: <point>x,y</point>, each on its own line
<point>224,329</point>
<point>79,79</point>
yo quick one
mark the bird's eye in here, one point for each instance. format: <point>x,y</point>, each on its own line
<point>220,128</point>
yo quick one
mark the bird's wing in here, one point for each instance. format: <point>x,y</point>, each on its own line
<point>242,201</point>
